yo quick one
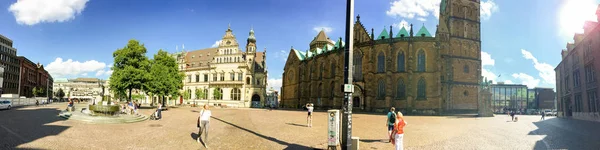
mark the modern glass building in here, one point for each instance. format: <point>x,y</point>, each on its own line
<point>512,97</point>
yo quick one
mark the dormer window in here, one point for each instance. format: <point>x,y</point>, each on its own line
<point>382,37</point>
<point>401,35</point>
<point>423,35</point>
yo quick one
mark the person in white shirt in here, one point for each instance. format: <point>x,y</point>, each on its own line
<point>310,109</point>
<point>203,124</point>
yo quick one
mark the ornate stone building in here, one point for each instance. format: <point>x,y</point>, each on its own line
<point>413,72</point>
<point>240,77</point>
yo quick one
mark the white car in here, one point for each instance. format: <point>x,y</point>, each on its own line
<point>4,104</point>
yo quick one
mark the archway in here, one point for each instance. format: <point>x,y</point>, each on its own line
<point>255,101</point>
<point>356,102</point>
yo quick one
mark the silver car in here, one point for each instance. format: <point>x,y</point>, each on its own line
<point>4,104</point>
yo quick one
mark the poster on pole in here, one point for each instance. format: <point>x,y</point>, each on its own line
<point>333,129</point>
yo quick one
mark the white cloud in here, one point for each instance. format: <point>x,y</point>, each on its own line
<point>60,68</point>
<point>526,79</point>
<point>508,82</point>
<point>490,75</point>
<point>216,43</point>
<point>402,23</point>
<point>84,74</point>
<point>100,72</point>
<point>109,72</point>
<point>487,8</point>
<point>486,59</point>
<point>324,28</point>
<point>281,55</point>
<point>275,84</point>
<point>546,70</point>
<point>424,8</point>
<point>411,8</point>
<point>31,12</point>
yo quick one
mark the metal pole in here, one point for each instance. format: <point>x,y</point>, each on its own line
<point>47,91</point>
<point>208,86</point>
<point>347,107</point>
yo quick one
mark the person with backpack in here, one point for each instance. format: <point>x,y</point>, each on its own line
<point>391,119</point>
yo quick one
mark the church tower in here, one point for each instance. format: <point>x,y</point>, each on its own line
<point>459,38</point>
<point>250,48</point>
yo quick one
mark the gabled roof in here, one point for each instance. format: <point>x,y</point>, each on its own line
<point>321,37</point>
<point>423,30</point>
<point>299,54</point>
<point>309,54</point>
<point>383,34</point>
<point>402,31</point>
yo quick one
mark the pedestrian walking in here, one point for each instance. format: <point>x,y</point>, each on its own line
<point>203,125</point>
<point>391,119</point>
<point>512,115</point>
<point>310,109</point>
<point>159,112</point>
<point>398,131</point>
<point>543,116</point>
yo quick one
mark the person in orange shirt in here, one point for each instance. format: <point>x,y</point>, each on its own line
<point>399,131</point>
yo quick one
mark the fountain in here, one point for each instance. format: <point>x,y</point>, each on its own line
<point>102,112</point>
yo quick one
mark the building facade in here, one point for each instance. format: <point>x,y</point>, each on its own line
<point>225,75</point>
<point>8,58</point>
<point>272,98</point>
<point>82,88</point>
<point>34,75</point>
<point>517,97</point>
<point>417,73</point>
<point>576,78</point>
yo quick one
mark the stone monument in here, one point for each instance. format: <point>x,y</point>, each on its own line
<point>485,98</point>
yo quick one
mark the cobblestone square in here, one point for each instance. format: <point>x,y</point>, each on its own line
<point>40,128</point>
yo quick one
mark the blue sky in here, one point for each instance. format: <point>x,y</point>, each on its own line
<point>76,38</point>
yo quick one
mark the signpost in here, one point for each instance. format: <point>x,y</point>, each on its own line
<point>333,129</point>
<point>348,87</point>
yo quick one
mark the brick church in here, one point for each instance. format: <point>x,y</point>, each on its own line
<point>409,69</point>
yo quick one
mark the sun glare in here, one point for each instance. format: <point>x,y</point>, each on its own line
<point>574,13</point>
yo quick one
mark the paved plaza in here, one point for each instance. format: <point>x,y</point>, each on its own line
<point>40,128</point>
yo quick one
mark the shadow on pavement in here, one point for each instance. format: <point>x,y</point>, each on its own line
<point>295,124</point>
<point>289,145</point>
<point>21,126</point>
<point>375,140</point>
<point>561,133</point>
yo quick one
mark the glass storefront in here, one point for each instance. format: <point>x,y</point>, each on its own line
<point>508,97</point>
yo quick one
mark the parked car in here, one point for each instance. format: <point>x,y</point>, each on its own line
<point>548,112</point>
<point>4,104</point>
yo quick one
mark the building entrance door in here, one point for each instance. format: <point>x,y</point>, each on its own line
<point>255,101</point>
<point>356,102</point>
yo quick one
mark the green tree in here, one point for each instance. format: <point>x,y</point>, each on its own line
<point>34,91</point>
<point>200,94</point>
<point>38,91</point>
<point>217,93</point>
<point>164,76</point>
<point>60,93</point>
<point>187,94</point>
<point>130,69</point>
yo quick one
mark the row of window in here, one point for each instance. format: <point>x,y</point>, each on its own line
<point>221,77</point>
<point>590,77</point>
<point>235,94</point>
<point>8,51</point>
<point>400,92</point>
<point>7,85</point>
<point>229,59</point>
<point>400,62</point>
<point>592,102</point>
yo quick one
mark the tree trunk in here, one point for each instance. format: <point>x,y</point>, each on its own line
<point>163,101</point>
<point>129,99</point>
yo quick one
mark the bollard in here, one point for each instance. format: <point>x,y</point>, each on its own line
<point>355,142</point>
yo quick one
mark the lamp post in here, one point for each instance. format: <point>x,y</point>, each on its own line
<point>47,90</point>
<point>348,87</point>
